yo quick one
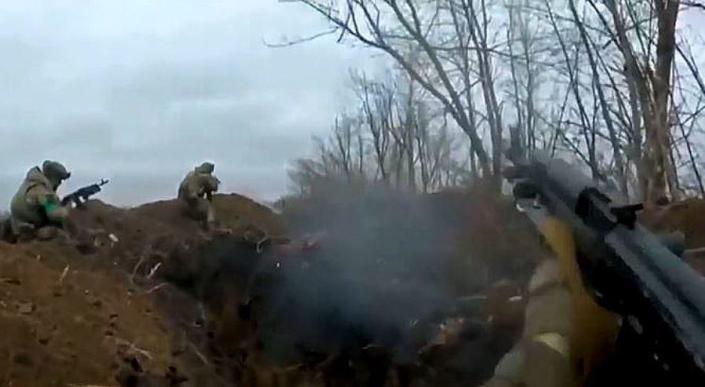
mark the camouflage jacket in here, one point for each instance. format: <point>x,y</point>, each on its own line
<point>32,198</point>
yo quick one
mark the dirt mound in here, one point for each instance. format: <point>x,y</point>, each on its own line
<point>101,312</point>
<point>146,294</point>
<point>233,211</point>
<point>137,227</point>
<point>63,325</point>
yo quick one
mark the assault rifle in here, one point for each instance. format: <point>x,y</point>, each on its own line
<point>79,197</point>
<point>658,298</point>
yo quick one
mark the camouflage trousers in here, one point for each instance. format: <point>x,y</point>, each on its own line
<point>59,224</point>
<point>26,232</point>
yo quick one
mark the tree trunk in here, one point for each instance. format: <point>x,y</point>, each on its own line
<point>658,132</point>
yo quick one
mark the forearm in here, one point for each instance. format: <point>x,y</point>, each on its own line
<point>55,212</point>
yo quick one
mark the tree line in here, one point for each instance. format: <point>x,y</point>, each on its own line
<point>612,84</point>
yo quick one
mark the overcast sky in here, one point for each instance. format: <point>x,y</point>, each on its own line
<point>141,91</point>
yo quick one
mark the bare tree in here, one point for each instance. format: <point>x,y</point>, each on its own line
<point>651,88</point>
<point>396,136</point>
<point>611,129</point>
<point>363,20</point>
<point>596,81</point>
<point>376,107</point>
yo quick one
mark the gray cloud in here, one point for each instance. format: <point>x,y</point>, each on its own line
<point>141,91</point>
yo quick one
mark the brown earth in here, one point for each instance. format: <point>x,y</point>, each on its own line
<point>63,325</point>
<point>86,314</point>
<point>147,298</point>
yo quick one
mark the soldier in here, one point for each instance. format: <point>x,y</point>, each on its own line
<point>36,209</point>
<point>196,192</point>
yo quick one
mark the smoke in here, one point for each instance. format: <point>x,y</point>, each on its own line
<point>378,275</point>
<point>387,282</point>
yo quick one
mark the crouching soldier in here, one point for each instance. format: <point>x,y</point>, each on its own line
<point>36,210</point>
<point>196,192</point>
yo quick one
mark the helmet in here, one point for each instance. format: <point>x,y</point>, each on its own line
<point>55,170</point>
<point>206,167</point>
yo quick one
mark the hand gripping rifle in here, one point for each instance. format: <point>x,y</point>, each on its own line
<point>656,300</point>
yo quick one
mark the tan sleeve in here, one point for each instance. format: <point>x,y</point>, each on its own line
<point>548,362</point>
<point>508,370</point>
<point>543,356</point>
